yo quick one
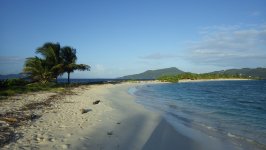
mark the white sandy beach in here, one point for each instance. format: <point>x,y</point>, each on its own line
<point>65,127</point>
<point>117,122</point>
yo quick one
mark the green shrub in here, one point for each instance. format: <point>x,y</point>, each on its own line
<point>7,93</point>
<point>3,84</point>
<point>13,82</point>
<point>17,82</point>
<point>40,86</point>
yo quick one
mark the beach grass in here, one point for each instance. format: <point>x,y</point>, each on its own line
<point>35,87</point>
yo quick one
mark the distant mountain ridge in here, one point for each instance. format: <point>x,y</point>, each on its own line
<point>154,74</point>
<point>11,76</point>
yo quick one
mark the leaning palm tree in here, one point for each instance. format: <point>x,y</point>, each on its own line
<point>37,69</point>
<point>69,58</point>
<point>51,53</point>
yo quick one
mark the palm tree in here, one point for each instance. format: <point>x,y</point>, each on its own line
<point>37,69</point>
<point>54,62</point>
<point>69,58</point>
<point>51,53</point>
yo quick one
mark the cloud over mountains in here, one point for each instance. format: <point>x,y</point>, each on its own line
<point>230,46</point>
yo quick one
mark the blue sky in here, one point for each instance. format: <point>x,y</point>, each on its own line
<point>118,38</point>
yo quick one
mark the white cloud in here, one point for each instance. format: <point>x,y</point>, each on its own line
<point>99,68</point>
<point>11,59</point>
<point>100,71</point>
<point>156,56</point>
<point>233,46</point>
<point>11,64</point>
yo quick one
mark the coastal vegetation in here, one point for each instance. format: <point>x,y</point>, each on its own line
<point>245,72</point>
<point>41,73</point>
<point>55,61</point>
<point>11,87</point>
<point>194,76</point>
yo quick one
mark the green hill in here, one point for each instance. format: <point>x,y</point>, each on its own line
<point>245,72</point>
<point>248,72</point>
<point>154,74</point>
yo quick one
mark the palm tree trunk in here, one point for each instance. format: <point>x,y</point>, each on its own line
<point>68,77</point>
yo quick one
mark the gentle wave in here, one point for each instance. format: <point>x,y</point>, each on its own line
<point>232,109</point>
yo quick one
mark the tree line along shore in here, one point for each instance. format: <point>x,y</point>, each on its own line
<point>204,76</point>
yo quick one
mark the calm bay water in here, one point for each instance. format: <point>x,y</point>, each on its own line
<point>232,110</point>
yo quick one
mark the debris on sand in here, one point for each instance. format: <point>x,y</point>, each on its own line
<point>83,111</point>
<point>96,102</point>
<point>10,120</point>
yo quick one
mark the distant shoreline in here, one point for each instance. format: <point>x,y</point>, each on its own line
<point>206,80</point>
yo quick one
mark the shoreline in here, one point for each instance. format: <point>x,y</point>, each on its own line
<point>117,122</point>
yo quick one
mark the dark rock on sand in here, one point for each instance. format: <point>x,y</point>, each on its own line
<point>96,102</point>
<point>83,111</point>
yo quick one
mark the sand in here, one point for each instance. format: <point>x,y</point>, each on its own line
<point>117,122</point>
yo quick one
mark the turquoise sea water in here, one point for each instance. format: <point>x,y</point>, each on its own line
<point>233,111</point>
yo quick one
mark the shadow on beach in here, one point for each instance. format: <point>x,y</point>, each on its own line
<point>165,137</point>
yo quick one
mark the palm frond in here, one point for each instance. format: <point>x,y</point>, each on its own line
<point>36,68</point>
<point>82,67</point>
